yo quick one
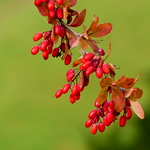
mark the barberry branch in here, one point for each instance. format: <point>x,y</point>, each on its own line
<point>116,99</point>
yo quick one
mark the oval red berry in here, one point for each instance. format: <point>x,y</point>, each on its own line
<point>37,36</point>
<point>58,93</point>
<point>94,129</point>
<point>51,5</point>
<point>68,59</point>
<point>34,50</point>
<point>105,68</point>
<point>99,72</point>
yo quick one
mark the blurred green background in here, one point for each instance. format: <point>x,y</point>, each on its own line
<point>31,118</point>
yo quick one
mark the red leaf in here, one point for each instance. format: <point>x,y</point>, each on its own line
<point>102,97</point>
<point>100,30</point>
<point>94,24</point>
<point>79,19</point>
<point>77,62</point>
<point>43,9</point>
<point>137,108</point>
<point>118,98</point>
<point>84,80</point>
<point>70,3</point>
<point>105,83</point>
<point>134,93</point>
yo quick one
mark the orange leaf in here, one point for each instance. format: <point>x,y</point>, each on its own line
<point>100,30</point>
<point>83,43</point>
<point>134,93</point>
<point>84,80</point>
<point>77,62</point>
<point>94,24</point>
<point>93,45</point>
<point>105,83</point>
<point>112,70</point>
<point>70,3</point>
<point>102,97</point>
<point>137,108</point>
<point>79,19</point>
<point>118,98</point>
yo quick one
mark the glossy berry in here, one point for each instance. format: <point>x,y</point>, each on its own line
<point>44,1</point>
<point>110,117</point>
<point>89,56</point>
<point>96,104</point>
<point>59,2</point>
<point>57,29</point>
<point>88,123</point>
<point>75,90</point>
<point>37,36</point>
<point>70,77</point>
<point>122,121</point>
<point>59,13</point>
<point>101,127</point>
<point>105,68</point>
<point>106,122</point>
<point>70,72</point>
<point>34,50</point>
<point>51,5</point>
<point>51,13</point>
<point>128,112</point>
<point>43,45</point>
<point>101,52</point>
<point>58,93</point>
<point>37,2</point>
<point>72,99</point>
<point>105,106</point>
<point>66,88</point>
<point>111,104</point>
<point>94,129</point>
<point>99,72</point>
<point>92,114</point>
<point>87,64</point>
<point>62,32</point>
<point>68,59</point>
<point>45,54</point>
<point>55,52</point>
<point>89,70</point>
<point>49,49</point>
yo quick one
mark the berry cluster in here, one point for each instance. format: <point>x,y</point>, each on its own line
<point>105,114</point>
<point>116,98</point>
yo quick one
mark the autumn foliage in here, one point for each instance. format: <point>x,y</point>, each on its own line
<point>116,99</point>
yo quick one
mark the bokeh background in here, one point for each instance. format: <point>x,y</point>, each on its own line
<point>31,118</point>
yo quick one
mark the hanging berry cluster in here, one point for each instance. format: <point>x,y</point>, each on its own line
<point>116,99</point>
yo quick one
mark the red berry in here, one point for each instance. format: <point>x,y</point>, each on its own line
<point>89,70</point>
<point>110,117</point>
<point>51,13</point>
<point>94,129</point>
<point>49,49</point>
<point>105,68</point>
<point>72,99</point>
<point>43,45</point>
<point>92,114</point>
<point>58,93</point>
<point>37,36</point>
<point>59,13</point>
<point>70,72</point>
<point>87,64</point>
<point>88,123</point>
<point>127,103</point>
<point>70,77</point>
<point>99,72</point>
<point>106,122</point>
<point>34,50</point>
<point>66,88</point>
<point>101,52</point>
<point>51,5</point>
<point>122,121</point>
<point>75,90</point>
<point>59,2</point>
<point>89,56</point>
<point>105,106</point>
<point>111,104</point>
<point>128,112</point>
<point>96,103</point>
<point>37,2</point>
<point>57,29</point>
<point>77,96</point>
<point>68,59</point>
<point>62,47</point>
<point>45,54</point>
<point>44,1</point>
<point>101,127</point>
<point>62,32</point>
<point>55,52</point>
